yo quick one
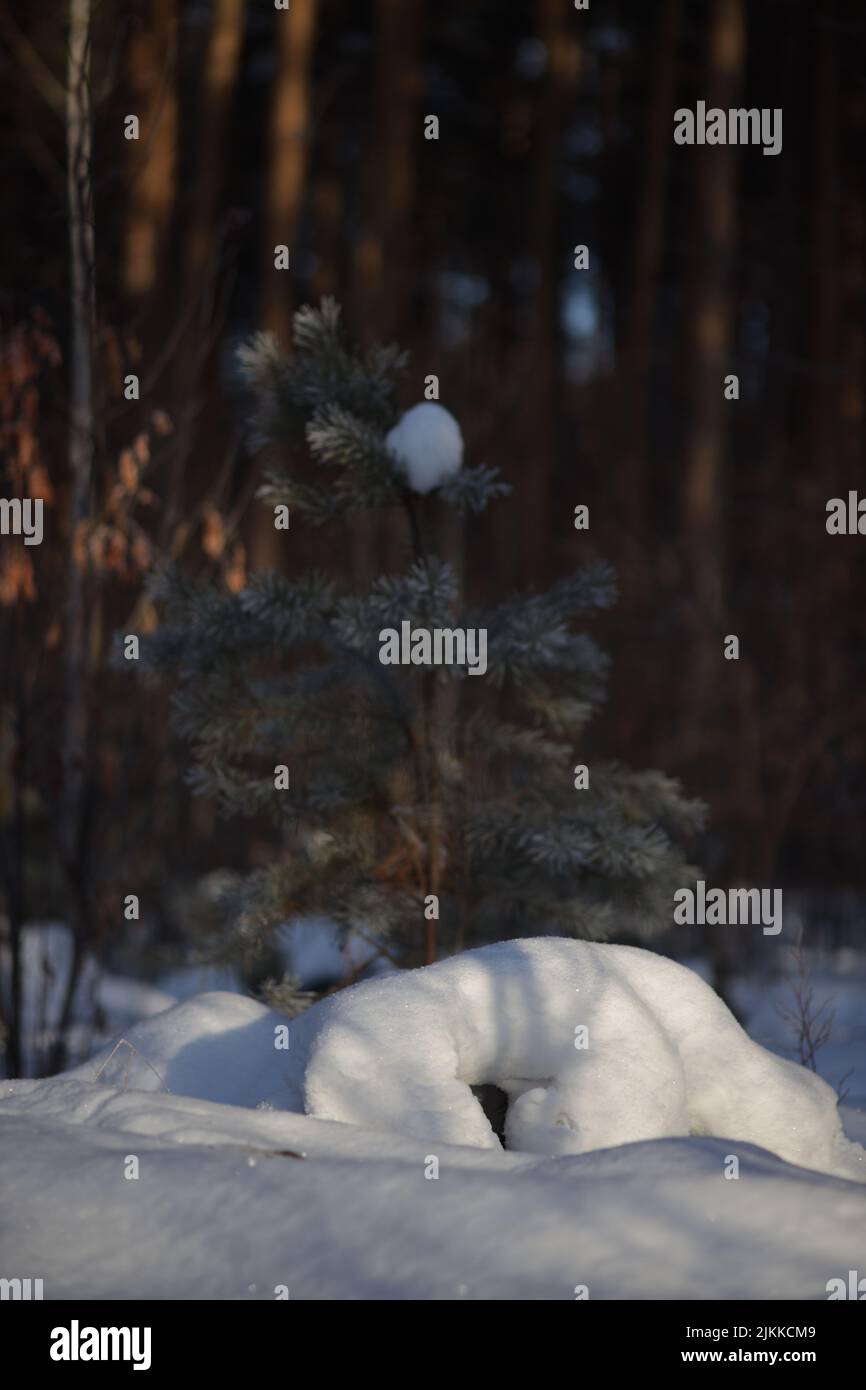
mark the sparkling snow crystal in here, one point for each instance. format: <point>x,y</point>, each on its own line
<point>428,446</point>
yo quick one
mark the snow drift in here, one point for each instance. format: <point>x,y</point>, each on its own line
<point>595,1045</point>
<point>241,1195</point>
<point>222,1211</point>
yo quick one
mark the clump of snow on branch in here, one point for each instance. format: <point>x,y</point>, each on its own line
<point>428,446</point>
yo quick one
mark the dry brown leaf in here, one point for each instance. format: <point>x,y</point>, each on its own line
<point>147,619</point>
<point>127,468</point>
<point>179,539</point>
<point>141,450</point>
<point>39,483</point>
<point>141,551</point>
<point>26,450</point>
<point>17,579</point>
<point>213,538</point>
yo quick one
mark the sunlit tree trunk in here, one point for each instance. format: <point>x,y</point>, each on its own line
<point>219,81</point>
<point>288,159</point>
<point>152,158</point>
<point>196,316</point>
<point>285,195</point>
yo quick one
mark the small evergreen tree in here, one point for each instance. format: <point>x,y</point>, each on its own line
<point>426,810</point>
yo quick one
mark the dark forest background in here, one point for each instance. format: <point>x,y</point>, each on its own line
<point>602,387</point>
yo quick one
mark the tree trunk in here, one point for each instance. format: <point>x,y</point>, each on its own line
<point>826,586</point>
<point>542,348</point>
<point>384,259</point>
<point>152,58</point>
<point>289,157</point>
<point>72,811</point>
<point>221,66</point>
<point>385,255</point>
<point>16,853</point>
<point>709,342</point>
<point>710,328</point>
<point>633,384</point>
<point>199,297</point>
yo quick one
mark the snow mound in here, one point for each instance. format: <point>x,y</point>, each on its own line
<point>427,444</point>
<point>236,1202</point>
<point>218,1046</point>
<point>661,1056</point>
<point>594,1045</point>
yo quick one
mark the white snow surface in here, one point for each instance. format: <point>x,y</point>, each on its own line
<point>220,1210</point>
<point>427,444</point>
<point>239,1192</point>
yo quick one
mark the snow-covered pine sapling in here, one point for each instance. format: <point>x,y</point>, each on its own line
<point>426,811</point>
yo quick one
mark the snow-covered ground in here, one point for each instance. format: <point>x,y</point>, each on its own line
<point>179,1166</point>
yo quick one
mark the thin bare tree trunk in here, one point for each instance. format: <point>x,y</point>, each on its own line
<point>72,817</point>
<point>16,850</point>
